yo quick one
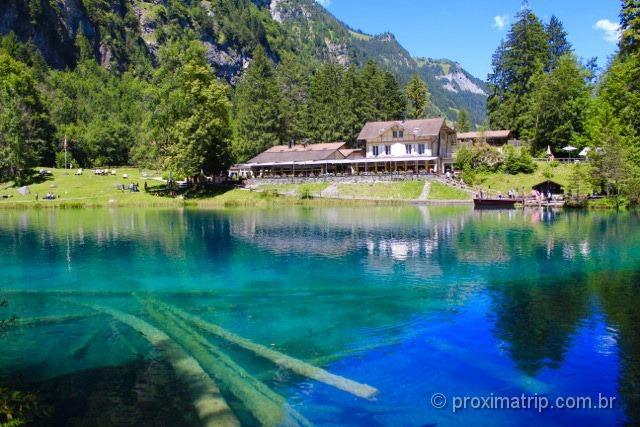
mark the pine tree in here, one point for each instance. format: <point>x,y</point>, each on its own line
<point>630,26</point>
<point>394,102</point>
<point>463,124</point>
<point>372,79</point>
<point>324,97</point>
<point>524,54</point>
<point>418,97</point>
<point>558,43</point>
<point>352,100</point>
<point>258,116</point>
<point>294,83</point>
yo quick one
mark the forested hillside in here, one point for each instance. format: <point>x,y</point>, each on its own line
<point>562,105</point>
<point>126,35</point>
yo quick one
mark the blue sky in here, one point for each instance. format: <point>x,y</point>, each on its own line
<point>469,31</point>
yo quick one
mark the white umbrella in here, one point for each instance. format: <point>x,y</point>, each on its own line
<point>569,148</point>
<point>23,190</point>
<point>584,152</point>
<point>549,153</point>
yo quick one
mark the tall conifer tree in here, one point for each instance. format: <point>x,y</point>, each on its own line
<point>258,116</point>
<point>524,54</point>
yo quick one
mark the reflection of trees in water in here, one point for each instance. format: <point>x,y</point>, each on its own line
<point>538,319</point>
<point>619,295</point>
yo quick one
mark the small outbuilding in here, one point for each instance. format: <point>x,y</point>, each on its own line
<point>549,186</point>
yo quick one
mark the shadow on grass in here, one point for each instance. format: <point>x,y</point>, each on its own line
<point>200,191</point>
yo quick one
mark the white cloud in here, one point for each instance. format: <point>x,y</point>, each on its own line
<point>500,21</point>
<point>324,3</point>
<point>611,30</point>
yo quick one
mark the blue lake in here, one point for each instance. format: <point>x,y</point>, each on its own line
<point>411,301</point>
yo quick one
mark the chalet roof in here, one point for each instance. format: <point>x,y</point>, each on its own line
<point>493,134</point>
<point>419,128</point>
<point>549,185</point>
<point>346,152</point>
<point>299,153</point>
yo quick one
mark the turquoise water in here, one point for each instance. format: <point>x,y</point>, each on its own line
<point>412,301</point>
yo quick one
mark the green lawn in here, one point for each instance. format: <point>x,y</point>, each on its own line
<point>87,189</point>
<point>439,191</point>
<point>408,190</point>
<point>503,182</point>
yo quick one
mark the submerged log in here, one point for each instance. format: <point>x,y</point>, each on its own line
<point>80,352</point>
<point>280,359</point>
<point>53,320</point>
<point>210,406</point>
<point>267,407</point>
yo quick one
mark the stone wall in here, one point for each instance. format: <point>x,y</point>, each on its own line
<point>350,179</point>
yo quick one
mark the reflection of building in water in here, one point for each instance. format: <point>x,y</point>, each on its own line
<point>395,233</point>
<point>383,239</point>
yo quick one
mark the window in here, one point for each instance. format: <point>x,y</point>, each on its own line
<point>421,148</point>
<point>398,134</point>
<point>408,148</point>
<point>387,150</point>
<point>376,150</point>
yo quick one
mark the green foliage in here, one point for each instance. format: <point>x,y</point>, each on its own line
<point>19,408</point>
<point>258,114</point>
<point>193,117</point>
<point>100,114</point>
<point>517,160</point>
<point>558,103</point>
<point>324,95</point>
<point>463,124</point>
<point>611,170</point>
<point>579,180</point>
<point>305,193</point>
<point>620,92</point>
<point>293,80</point>
<point>478,158</point>
<point>517,60</point>
<point>418,96</point>
<point>559,46</point>
<point>25,134</point>
<point>630,26</point>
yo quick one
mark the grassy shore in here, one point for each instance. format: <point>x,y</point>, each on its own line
<point>503,182</point>
<point>89,190</point>
<point>408,190</point>
<point>85,190</point>
<point>439,191</point>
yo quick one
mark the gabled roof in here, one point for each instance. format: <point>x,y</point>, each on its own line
<point>300,153</point>
<point>420,128</point>
<point>548,185</point>
<point>497,134</point>
<point>355,152</point>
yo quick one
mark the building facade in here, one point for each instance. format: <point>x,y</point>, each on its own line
<point>430,142</point>
<point>411,146</point>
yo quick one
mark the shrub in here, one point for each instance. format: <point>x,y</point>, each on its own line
<point>518,160</point>
<point>305,193</point>
<point>482,157</point>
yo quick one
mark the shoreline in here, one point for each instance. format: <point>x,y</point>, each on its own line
<point>280,201</point>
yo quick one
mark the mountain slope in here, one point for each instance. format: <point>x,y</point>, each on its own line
<point>127,34</point>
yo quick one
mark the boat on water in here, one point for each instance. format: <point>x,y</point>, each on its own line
<point>496,202</point>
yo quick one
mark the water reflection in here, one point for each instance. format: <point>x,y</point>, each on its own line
<point>542,296</point>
